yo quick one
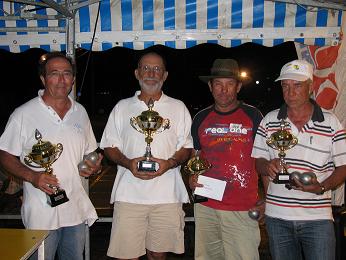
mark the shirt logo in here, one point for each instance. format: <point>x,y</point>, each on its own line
<point>232,128</point>
<point>78,127</point>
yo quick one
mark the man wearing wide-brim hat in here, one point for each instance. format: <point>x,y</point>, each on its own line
<point>223,133</point>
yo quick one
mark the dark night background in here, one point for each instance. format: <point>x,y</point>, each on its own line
<point>103,78</point>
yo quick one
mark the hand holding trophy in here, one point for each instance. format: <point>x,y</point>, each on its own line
<point>149,122</point>
<point>197,166</point>
<point>282,140</point>
<point>43,155</point>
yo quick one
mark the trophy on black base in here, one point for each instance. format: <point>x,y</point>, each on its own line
<point>197,166</point>
<point>149,122</point>
<point>43,155</point>
<point>282,140</point>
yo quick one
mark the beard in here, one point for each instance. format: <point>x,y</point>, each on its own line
<point>151,88</point>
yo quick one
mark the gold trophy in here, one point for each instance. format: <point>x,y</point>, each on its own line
<point>197,166</point>
<point>282,141</point>
<point>43,155</point>
<point>149,122</point>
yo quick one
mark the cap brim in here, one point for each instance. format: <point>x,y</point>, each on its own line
<point>293,76</point>
<point>206,79</point>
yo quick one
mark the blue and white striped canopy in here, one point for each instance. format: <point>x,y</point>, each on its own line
<point>178,24</point>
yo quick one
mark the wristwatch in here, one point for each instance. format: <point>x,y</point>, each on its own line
<point>323,189</point>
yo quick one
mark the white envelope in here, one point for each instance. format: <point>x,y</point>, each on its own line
<point>212,188</point>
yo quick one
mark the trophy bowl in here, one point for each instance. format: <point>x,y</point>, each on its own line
<point>149,122</point>
<point>43,155</point>
<point>282,140</point>
<point>197,166</point>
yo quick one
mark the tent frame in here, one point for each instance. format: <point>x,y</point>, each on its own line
<point>67,10</point>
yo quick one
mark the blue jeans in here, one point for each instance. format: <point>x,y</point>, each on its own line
<point>68,242</point>
<point>291,239</point>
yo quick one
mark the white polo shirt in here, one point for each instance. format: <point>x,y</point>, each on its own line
<point>74,132</point>
<point>167,188</point>
<point>321,147</point>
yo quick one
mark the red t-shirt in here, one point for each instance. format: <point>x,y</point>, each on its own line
<point>226,140</point>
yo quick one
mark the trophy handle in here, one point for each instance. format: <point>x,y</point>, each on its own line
<point>165,125</point>
<point>58,151</point>
<point>134,124</point>
<point>28,160</point>
<point>270,142</point>
<point>293,143</point>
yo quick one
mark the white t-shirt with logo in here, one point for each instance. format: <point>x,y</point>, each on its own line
<point>74,132</point>
<point>167,188</point>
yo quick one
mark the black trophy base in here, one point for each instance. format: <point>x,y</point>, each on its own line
<point>282,178</point>
<point>147,166</point>
<point>199,198</point>
<point>57,198</point>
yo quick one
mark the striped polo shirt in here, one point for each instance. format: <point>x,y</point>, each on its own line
<point>321,147</point>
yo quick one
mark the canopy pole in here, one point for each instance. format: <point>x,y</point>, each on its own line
<point>70,47</point>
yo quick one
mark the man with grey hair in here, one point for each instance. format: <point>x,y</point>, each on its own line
<point>148,216</point>
<point>300,219</point>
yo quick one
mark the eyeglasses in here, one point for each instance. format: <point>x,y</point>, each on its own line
<point>57,74</point>
<point>155,69</point>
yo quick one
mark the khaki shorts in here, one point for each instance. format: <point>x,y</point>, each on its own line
<point>137,227</point>
<point>224,235</point>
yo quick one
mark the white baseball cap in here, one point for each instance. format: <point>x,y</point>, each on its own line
<point>299,70</point>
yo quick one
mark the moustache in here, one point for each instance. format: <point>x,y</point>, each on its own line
<point>152,79</point>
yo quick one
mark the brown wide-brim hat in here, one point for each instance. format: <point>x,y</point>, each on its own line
<point>223,68</point>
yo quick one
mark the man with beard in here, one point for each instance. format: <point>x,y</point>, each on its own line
<point>148,216</point>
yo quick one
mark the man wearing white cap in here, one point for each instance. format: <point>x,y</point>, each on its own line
<point>299,220</point>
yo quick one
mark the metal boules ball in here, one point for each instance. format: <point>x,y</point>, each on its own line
<point>82,166</point>
<point>294,175</point>
<point>92,157</point>
<point>254,214</point>
<point>307,178</point>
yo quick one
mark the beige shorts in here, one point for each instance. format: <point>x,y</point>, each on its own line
<point>137,227</point>
<point>223,235</point>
